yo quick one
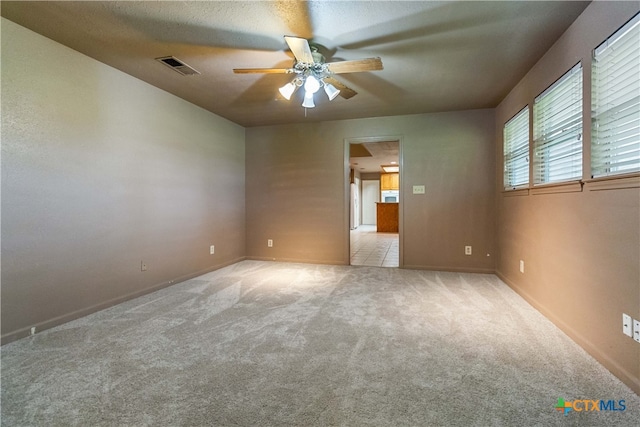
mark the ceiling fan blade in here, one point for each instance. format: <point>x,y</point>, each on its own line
<point>261,70</point>
<point>300,48</point>
<point>345,92</point>
<point>368,64</point>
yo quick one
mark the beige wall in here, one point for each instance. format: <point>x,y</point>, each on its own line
<point>581,249</point>
<point>296,189</point>
<point>101,171</point>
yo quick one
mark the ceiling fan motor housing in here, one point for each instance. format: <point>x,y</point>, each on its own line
<point>317,56</point>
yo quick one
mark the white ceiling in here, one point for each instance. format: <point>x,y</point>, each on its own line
<point>437,56</point>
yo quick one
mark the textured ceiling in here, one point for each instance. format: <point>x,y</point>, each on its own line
<point>374,155</point>
<point>437,56</point>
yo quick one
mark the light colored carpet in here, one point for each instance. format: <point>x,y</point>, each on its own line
<point>262,343</point>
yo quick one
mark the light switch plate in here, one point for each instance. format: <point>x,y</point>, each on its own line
<point>418,189</point>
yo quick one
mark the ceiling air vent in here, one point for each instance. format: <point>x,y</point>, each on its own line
<point>177,65</point>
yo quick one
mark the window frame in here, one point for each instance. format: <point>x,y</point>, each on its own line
<point>611,156</point>
<point>558,130</point>
<point>514,149</point>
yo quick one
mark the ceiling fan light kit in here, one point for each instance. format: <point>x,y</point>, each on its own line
<point>311,76</point>
<point>313,73</point>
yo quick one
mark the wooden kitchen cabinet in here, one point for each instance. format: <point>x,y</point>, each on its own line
<point>389,181</point>
<point>387,217</point>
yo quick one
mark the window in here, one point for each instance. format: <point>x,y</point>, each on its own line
<point>615,136</point>
<point>557,130</point>
<point>516,150</point>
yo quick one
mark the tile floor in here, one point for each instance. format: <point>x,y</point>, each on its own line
<point>371,248</point>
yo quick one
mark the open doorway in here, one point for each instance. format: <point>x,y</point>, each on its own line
<point>374,203</point>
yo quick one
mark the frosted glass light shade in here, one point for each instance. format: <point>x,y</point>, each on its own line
<point>311,84</point>
<point>331,91</point>
<point>287,90</point>
<point>308,100</point>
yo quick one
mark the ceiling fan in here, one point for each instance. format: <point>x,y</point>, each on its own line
<point>312,72</point>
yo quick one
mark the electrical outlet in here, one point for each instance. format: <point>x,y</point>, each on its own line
<point>270,243</point>
<point>521,266</point>
<point>418,189</point>
<point>626,325</point>
<point>32,331</point>
<point>636,330</point>
<point>143,266</point>
<point>467,250</point>
<point>212,250</point>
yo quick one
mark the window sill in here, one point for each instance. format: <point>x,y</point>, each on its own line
<point>613,182</point>
<point>515,192</point>
<point>560,187</point>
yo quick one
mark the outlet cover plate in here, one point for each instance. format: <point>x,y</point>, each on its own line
<point>418,189</point>
<point>626,325</point>
<point>521,266</point>
<point>467,250</point>
<point>212,249</point>
<point>636,330</point>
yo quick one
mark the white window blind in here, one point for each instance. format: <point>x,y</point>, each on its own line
<point>615,136</point>
<point>516,150</point>
<point>557,130</point>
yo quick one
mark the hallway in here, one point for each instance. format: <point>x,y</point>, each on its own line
<point>374,249</point>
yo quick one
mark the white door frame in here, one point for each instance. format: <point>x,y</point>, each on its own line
<point>347,193</point>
